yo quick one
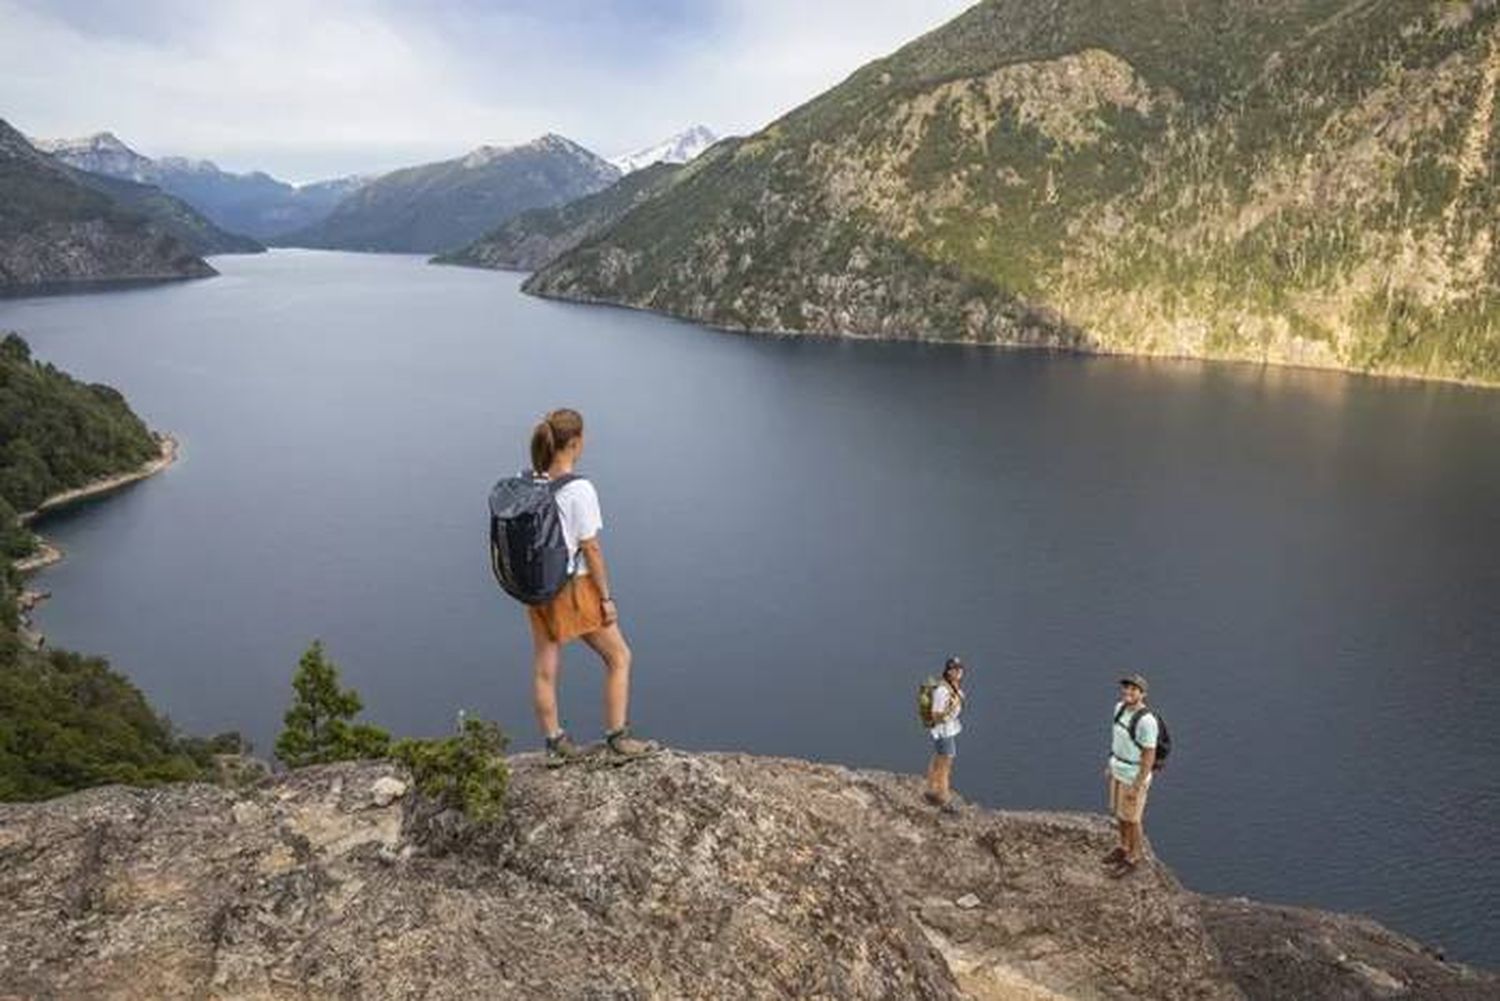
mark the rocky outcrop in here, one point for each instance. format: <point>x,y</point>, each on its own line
<point>686,876</point>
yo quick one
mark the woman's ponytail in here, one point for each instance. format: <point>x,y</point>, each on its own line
<point>551,435</point>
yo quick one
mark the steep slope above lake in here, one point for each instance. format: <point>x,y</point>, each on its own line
<point>534,238</point>
<point>1298,181</point>
<point>57,231</point>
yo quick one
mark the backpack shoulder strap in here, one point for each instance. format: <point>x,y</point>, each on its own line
<point>562,481</point>
<point>1135,719</point>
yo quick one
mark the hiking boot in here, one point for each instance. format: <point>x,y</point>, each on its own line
<point>1115,856</point>
<point>620,747</point>
<point>932,797</point>
<point>562,751</point>
<point>1123,868</point>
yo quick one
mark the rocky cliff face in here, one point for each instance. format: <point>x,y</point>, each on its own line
<point>55,230</point>
<point>687,876</point>
<point>440,206</point>
<point>1292,181</point>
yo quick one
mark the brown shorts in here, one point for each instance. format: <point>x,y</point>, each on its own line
<point>577,610</point>
<point>1127,802</point>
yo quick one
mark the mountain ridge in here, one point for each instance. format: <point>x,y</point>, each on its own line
<point>59,233</point>
<point>254,203</point>
<point>1292,182</point>
<point>438,206</point>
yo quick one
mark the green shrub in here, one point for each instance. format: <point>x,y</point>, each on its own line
<point>465,772</point>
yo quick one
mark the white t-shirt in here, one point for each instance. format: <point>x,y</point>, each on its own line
<point>578,502</point>
<point>950,727</point>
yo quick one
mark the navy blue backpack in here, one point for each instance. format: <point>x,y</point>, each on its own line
<point>528,553</point>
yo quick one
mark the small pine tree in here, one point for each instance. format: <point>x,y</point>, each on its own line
<point>319,726</point>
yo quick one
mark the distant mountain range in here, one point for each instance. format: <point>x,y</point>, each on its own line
<point>681,148</point>
<point>439,206</point>
<point>60,227</point>
<point>531,239</point>
<point>1307,182</point>
<point>255,204</point>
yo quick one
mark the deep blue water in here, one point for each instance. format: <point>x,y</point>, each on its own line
<point>1304,564</point>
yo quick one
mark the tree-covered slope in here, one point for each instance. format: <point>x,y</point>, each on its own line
<point>57,433</point>
<point>538,236</point>
<point>171,215</point>
<point>54,230</point>
<point>1298,181</point>
<point>439,206</point>
<point>67,721</point>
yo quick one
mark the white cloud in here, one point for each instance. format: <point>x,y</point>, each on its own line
<point>348,86</point>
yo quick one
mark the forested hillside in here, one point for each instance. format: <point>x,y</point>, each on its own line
<point>1292,181</point>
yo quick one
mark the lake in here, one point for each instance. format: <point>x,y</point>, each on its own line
<point>1304,564</point>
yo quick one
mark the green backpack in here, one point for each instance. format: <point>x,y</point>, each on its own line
<point>924,701</point>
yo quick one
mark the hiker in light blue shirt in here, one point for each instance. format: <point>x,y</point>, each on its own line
<point>1133,738</point>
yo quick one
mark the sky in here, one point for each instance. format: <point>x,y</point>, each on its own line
<point>323,89</point>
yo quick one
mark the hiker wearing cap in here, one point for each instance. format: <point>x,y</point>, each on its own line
<point>1132,757</point>
<point>947,704</point>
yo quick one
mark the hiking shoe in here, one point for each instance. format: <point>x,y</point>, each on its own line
<point>951,807</point>
<point>932,797</point>
<point>562,751</point>
<point>1123,868</point>
<point>1115,856</point>
<point>620,747</point>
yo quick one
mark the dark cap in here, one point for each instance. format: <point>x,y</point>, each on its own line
<point>952,663</point>
<point>1134,679</point>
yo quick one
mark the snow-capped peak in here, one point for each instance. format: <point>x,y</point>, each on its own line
<point>679,149</point>
<point>100,153</point>
<point>99,142</point>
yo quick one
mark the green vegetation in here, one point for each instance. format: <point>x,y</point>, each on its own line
<point>1293,180</point>
<point>67,721</point>
<point>57,433</point>
<point>319,726</point>
<point>465,772</point>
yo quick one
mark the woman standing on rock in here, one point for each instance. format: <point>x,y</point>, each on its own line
<point>584,608</point>
<point>947,704</point>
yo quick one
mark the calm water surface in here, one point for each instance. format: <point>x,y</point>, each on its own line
<point>1305,565</point>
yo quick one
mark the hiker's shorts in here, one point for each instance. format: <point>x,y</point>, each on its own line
<point>946,747</point>
<point>1127,802</point>
<point>578,609</point>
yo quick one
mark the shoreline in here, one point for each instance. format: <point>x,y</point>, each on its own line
<point>49,553</point>
<point>169,450</point>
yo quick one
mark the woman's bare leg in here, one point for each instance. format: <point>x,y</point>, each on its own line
<point>609,643</point>
<point>546,659</point>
